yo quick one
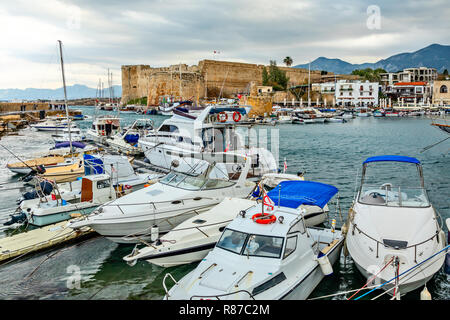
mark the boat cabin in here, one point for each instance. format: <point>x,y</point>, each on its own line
<point>107,126</point>
<point>97,188</point>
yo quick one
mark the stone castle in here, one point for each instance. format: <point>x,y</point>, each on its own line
<point>210,78</point>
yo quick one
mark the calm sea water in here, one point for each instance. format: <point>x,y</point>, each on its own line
<point>328,153</point>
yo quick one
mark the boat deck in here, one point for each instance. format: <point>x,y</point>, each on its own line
<point>38,239</point>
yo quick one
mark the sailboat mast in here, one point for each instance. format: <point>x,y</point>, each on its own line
<point>65,97</point>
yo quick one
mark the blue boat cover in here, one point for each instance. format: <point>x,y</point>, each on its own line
<point>292,194</point>
<point>66,144</point>
<point>392,158</point>
<point>92,165</point>
<point>132,138</point>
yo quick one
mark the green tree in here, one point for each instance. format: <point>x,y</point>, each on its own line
<point>288,61</point>
<point>369,74</point>
<point>275,77</point>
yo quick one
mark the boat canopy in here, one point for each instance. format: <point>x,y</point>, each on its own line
<point>392,158</point>
<point>292,194</point>
<point>66,144</point>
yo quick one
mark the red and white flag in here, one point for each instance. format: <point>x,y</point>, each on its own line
<point>284,166</point>
<point>268,202</point>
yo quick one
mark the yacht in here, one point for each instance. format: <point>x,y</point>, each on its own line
<point>173,199</point>
<point>392,225</point>
<point>50,125</point>
<point>213,130</point>
<point>267,256</point>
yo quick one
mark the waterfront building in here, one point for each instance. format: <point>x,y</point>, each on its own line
<point>410,92</point>
<point>408,75</point>
<point>441,92</point>
<point>352,92</point>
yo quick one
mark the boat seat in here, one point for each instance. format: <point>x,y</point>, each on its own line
<point>373,198</point>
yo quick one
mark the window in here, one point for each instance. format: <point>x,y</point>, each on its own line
<point>232,240</point>
<point>291,245</point>
<point>443,89</point>
<point>264,246</point>
<point>168,128</point>
<point>298,227</point>
<point>269,283</point>
<point>103,184</point>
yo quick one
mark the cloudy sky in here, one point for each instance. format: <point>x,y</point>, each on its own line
<point>98,35</point>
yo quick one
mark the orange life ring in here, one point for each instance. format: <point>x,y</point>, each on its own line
<point>237,116</point>
<point>109,121</point>
<point>222,117</point>
<point>267,219</point>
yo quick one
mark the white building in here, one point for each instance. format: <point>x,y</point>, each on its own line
<point>409,75</point>
<point>352,92</point>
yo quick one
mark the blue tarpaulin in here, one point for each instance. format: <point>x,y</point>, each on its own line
<point>132,138</point>
<point>392,158</point>
<point>92,165</point>
<point>292,194</point>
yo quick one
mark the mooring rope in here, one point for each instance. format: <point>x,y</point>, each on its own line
<point>404,272</point>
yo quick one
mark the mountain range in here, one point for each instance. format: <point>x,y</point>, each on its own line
<point>433,56</point>
<point>76,91</point>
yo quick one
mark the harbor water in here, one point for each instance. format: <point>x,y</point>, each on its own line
<point>330,153</point>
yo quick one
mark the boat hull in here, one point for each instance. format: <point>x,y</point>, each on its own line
<point>44,220</point>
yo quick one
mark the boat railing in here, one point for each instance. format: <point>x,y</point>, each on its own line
<point>378,243</point>
<point>217,297</point>
<point>168,275</point>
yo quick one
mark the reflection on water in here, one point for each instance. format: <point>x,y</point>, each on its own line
<point>329,153</point>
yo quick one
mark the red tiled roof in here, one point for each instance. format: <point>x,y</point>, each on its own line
<point>418,83</point>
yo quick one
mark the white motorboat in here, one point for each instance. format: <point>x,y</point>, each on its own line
<point>45,210</point>
<point>75,134</point>
<point>335,120</point>
<point>128,141</point>
<point>194,238</point>
<point>263,256</point>
<point>117,167</point>
<point>284,119</point>
<point>50,125</point>
<point>211,131</point>
<point>392,226</point>
<point>172,200</point>
<point>102,128</point>
<point>348,115</point>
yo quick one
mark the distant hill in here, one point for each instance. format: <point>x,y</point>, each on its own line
<point>76,91</point>
<point>434,56</point>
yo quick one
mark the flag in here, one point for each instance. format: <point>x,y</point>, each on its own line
<point>285,166</point>
<point>227,148</point>
<point>267,201</point>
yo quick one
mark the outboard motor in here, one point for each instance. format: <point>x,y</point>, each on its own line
<point>16,218</point>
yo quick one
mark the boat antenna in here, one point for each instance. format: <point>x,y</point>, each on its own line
<point>65,98</point>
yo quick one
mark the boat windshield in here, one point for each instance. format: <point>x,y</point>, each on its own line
<point>251,244</point>
<point>183,181</point>
<point>393,184</point>
<point>188,182</point>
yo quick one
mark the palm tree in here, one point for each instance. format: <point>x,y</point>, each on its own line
<point>288,61</point>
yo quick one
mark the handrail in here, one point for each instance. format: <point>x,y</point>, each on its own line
<point>153,202</point>
<point>164,282</point>
<point>223,295</point>
<point>388,246</point>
